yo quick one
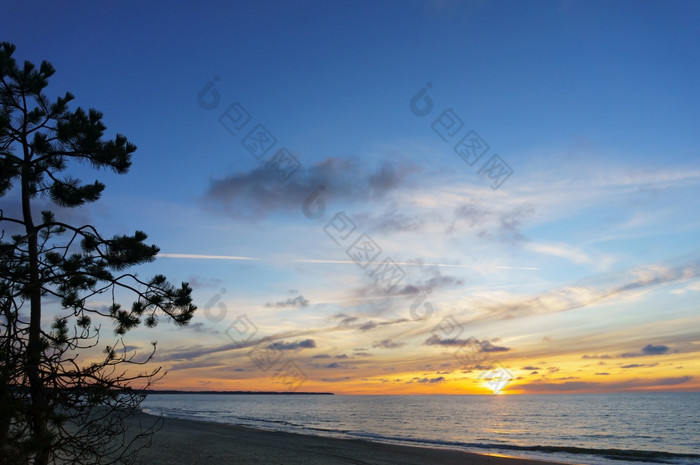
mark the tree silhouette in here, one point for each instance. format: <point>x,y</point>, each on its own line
<point>56,406</point>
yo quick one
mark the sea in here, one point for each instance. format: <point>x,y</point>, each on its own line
<point>596,429</point>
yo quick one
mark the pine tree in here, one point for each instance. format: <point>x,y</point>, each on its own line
<point>53,406</point>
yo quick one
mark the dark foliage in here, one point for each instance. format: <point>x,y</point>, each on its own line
<point>56,406</point>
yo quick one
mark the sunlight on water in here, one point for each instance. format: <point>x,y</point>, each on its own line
<point>568,428</point>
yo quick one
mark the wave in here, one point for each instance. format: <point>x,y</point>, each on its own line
<point>620,455</point>
<point>630,455</point>
<point>610,454</point>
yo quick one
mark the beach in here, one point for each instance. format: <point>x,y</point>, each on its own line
<point>195,442</point>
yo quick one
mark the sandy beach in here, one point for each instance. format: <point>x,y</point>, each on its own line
<point>193,443</point>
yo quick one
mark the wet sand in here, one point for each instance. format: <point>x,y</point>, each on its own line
<point>204,443</point>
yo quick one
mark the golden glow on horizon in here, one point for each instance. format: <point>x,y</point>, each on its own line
<point>536,366</point>
<point>569,378</point>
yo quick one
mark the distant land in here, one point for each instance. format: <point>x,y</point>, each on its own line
<point>272,393</point>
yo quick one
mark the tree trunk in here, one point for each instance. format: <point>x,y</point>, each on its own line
<point>41,438</point>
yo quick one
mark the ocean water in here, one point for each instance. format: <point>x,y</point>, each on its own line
<point>600,429</point>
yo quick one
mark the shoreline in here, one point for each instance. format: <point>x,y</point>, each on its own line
<point>203,442</point>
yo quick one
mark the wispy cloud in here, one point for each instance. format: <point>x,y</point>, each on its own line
<point>298,301</point>
<point>296,345</point>
<point>435,340</point>
<point>595,290</point>
<point>387,344</point>
<point>589,386</point>
<point>566,251</point>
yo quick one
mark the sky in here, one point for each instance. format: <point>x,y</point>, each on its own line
<point>400,197</point>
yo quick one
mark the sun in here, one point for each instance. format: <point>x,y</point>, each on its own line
<point>497,378</point>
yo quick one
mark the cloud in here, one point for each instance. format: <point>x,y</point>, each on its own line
<point>511,221</point>
<point>441,280</point>
<point>470,213</point>
<point>335,365</point>
<point>674,381</point>
<point>345,320</point>
<point>194,365</point>
<point>200,281</point>
<point>367,326</point>
<point>391,221</point>
<point>257,193</point>
<point>335,380</point>
<point>565,251</point>
<point>486,346</point>
<point>198,327</point>
<point>130,348</point>
<point>429,285</point>
<point>593,291</point>
<point>373,299</point>
<point>194,352</point>
<point>439,379</point>
<point>298,301</point>
<point>633,365</point>
<point>530,368</point>
<point>559,387</point>
<point>435,340</point>
<point>596,356</point>
<point>649,349</point>
<point>387,344</point>
<point>305,344</point>
<point>321,356</point>
<point>604,387</point>
<point>491,224</point>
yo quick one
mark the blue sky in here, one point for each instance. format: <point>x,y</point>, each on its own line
<point>589,247</point>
